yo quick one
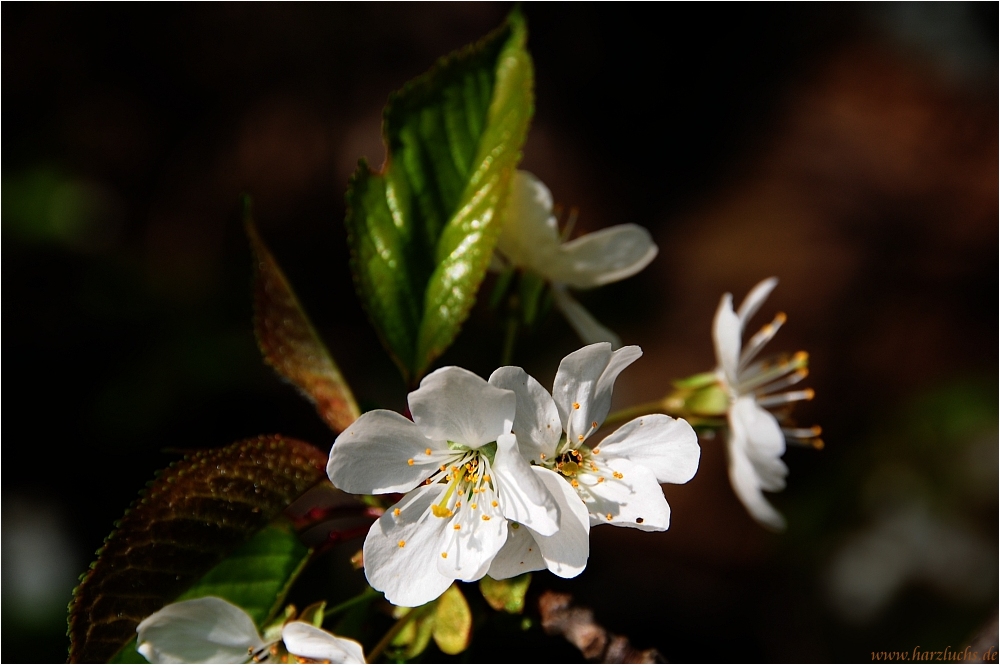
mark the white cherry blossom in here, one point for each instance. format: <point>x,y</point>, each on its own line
<point>756,441</point>
<point>213,630</point>
<point>464,477</point>
<point>530,240</point>
<point>619,479</point>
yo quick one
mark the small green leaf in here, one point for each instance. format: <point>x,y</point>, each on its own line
<point>196,513</point>
<point>506,595</point>
<point>290,344</point>
<point>452,622</point>
<point>416,634</point>
<point>256,577</point>
<point>422,231</point>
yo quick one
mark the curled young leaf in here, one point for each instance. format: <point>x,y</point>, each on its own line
<point>452,622</point>
<point>196,513</point>
<point>422,230</point>
<point>506,595</point>
<point>290,344</point>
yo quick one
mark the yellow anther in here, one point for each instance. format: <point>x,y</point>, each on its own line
<point>574,483</point>
<point>441,511</point>
<point>457,527</point>
<point>809,393</point>
<point>487,478</point>
<point>443,467</point>
<point>454,468</point>
<point>818,444</point>
<point>600,479</point>
<point>593,467</point>
<point>593,425</point>
<point>579,437</point>
<point>402,543</point>
<point>800,357</point>
<point>596,451</point>
<point>486,518</point>
<point>541,456</point>
<point>410,461</point>
<point>444,555</point>
<point>608,516</point>
<point>473,505</point>
<point>427,451</point>
<point>396,512</point>
<point>494,503</point>
<point>618,475</point>
<point>458,504</point>
<point>780,318</point>
<point>576,405</point>
<point>816,430</point>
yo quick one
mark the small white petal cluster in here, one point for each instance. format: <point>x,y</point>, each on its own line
<point>756,441</point>
<point>530,240</point>
<point>498,477</point>
<point>213,630</point>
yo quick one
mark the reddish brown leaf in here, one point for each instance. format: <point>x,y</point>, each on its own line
<point>192,516</point>
<point>290,344</point>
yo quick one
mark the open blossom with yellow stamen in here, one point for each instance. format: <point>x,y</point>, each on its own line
<point>619,480</point>
<point>756,441</point>
<point>464,477</point>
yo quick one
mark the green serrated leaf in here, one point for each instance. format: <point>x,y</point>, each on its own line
<point>196,513</point>
<point>422,231</point>
<point>452,622</point>
<point>506,595</point>
<point>256,577</point>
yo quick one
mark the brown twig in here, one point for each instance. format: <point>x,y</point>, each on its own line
<point>577,625</point>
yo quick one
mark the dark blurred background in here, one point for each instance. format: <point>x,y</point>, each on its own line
<point>849,149</point>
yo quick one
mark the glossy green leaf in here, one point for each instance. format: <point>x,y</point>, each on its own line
<point>422,231</point>
<point>196,513</point>
<point>506,595</point>
<point>256,578</point>
<point>290,344</point>
<point>452,622</point>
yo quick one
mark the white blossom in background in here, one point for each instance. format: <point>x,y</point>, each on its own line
<point>464,477</point>
<point>530,240</point>
<point>213,630</point>
<point>756,441</point>
<point>619,479</point>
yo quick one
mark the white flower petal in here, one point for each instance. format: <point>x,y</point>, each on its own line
<point>306,640</point>
<point>520,554</point>
<point>605,256</point>
<point>529,236</point>
<point>203,630</point>
<point>536,419</point>
<point>566,551</point>
<point>746,484</point>
<point>726,333</point>
<point>587,328</point>
<point>583,386</point>
<point>466,552</point>
<point>372,456</point>
<point>758,427</point>
<point>753,300</point>
<point>523,497</point>
<point>408,573</point>
<point>667,447</point>
<point>635,500</point>
<point>456,405</point>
